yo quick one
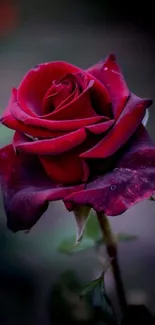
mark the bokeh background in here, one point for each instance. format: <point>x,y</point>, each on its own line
<point>80,32</point>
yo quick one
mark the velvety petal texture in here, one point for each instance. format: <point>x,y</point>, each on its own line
<point>109,73</point>
<point>78,138</point>
<point>123,129</point>
<point>54,146</point>
<point>26,189</point>
<point>131,181</point>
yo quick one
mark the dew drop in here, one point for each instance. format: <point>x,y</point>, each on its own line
<point>113,187</point>
<point>105,68</point>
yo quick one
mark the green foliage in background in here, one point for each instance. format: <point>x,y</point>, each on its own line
<point>92,238</point>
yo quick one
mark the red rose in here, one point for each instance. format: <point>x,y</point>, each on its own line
<point>78,138</point>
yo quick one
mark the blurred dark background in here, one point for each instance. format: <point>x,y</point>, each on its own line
<point>81,32</point>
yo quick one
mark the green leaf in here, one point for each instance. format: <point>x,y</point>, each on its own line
<point>81,214</point>
<point>92,229</point>
<point>101,301</point>
<point>98,281</point>
<point>68,246</point>
<point>87,237</point>
<point>91,286</point>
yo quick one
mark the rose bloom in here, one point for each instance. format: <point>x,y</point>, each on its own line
<point>78,138</point>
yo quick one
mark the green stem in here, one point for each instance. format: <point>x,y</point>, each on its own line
<point>111,246</point>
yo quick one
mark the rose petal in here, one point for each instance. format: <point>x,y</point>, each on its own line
<point>33,131</point>
<point>125,126</point>
<point>26,189</point>
<point>132,181</point>
<point>57,96</point>
<point>100,127</point>
<point>58,126</point>
<point>36,83</point>
<point>38,80</point>
<point>75,85</point>
<point>54,146</point>
<point>67,168</point>
<point>79,107</point>
<point>109,73</point>
<point>9,120</point>
<point>58,93</point>
<point>100,100</point>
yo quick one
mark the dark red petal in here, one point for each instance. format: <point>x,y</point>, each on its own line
<point>132,181</point>
<point>58,126</point>
<point>101,101</point>
<point>125,126</point>
<point>64,91</point>
<point>109,73</point>
<point>54,146</point>
<point>69,99</point>
<point>58,96</point>
<point>36,83</point>
<point>67,168</point>
<point>33,131</point>
<point>38,80</point>
<point>100,127</point>
<point>79,107</point>
<point>58,92</point>
<point>26,189</point>
<point>11,122</point>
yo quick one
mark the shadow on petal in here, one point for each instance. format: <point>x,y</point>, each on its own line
<point>132,180</point>
<point>26,189</point>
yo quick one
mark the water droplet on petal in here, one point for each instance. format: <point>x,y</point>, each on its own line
<point>105,68</point>
<point>116,169</point>
<point>113,187</point>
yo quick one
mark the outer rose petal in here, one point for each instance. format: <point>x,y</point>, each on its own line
<point>125,126</point>
<point>11,122</point>
<point>26,189</point>
<point>100,127</point>
<point>35,132</point>
<point>67,168</point>
<point>109,73</point>
<point>54,146</point>
<point>132,181</point>
<point>58,126</point>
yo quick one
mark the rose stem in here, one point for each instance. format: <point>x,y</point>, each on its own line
<point>111,247</point>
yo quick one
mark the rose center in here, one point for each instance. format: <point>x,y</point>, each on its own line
<point>59,94</point>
